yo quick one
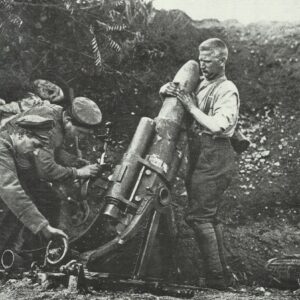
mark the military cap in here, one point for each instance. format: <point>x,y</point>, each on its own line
<point>85,112</point>
<point>37,125</point>
<point>47,90</point>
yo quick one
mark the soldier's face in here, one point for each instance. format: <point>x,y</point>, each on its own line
<point>81,132</point>
<point>211,64</point>
<point>73,131</point>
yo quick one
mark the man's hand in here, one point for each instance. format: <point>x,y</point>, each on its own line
<point>188,100</point>
<point>50,232</point>
<point>82,162</point>
<point>88,171</point>
<point>169,89</point>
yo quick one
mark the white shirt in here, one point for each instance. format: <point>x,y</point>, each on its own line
<point>225,103</point>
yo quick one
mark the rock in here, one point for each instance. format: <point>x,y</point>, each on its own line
<point>263,139</point>
<point>260,291</point>
<point>297,292</point>
<point>12,281</point>
<point>265,153</point>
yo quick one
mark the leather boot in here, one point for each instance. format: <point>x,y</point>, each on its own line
<point>219,235</point>
<point>208,245</point>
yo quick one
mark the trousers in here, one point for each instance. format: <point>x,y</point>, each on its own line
<point>210,171</point>
<point>211,167</point>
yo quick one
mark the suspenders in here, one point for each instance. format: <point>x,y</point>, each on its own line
<point>208,97</point>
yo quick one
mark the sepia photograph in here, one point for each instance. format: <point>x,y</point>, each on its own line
<point>149,149</point>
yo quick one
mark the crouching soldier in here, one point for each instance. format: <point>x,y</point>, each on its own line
<point>51,163</point>
<point>20,207</point>
<point>54,163</point>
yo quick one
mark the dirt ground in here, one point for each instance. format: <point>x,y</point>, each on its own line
<point>24,290</point>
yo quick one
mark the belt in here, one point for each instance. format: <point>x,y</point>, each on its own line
<point>211,135</point>
<point>199,130</point>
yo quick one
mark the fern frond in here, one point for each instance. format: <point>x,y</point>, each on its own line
<point>96,50</point>
<point>16,20</point>
<point>6,4</point>
<point>112,28</point>
<point>118,3</point>
<point>113,45</point>
<point>114,15</point>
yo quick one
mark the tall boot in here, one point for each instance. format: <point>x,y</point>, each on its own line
<point>208,245</point>
<point>219,235</point>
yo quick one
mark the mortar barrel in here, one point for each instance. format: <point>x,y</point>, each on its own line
<point>126,173</point>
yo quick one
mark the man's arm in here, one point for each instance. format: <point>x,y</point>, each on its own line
<point>188,102</point>
<point>205,120</point>
<point>48,169</point>
<point>225,111</point>
<point>14,196</point>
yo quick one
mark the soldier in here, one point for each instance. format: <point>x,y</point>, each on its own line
<point>75,121</point>
<point>214,108</point>
<point>19,206</point>
<point>42,91</point>
<point>52,163</point>
<point>47,91</point>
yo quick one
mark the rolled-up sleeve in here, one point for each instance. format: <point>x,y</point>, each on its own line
<point>15,198</point>
<point>225,112</point>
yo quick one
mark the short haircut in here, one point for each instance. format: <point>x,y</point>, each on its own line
<point>216,45</point>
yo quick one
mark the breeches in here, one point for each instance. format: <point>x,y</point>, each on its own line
<point>211,168</point>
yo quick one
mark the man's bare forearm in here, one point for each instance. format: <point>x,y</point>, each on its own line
<point>205,120</point>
